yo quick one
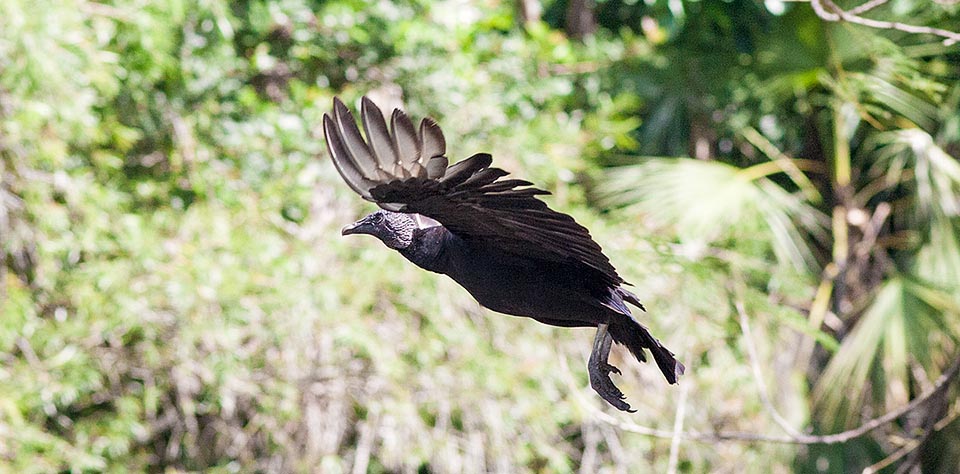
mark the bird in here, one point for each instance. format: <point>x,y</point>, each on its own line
<point>493,236</point>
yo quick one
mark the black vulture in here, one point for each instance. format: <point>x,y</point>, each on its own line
<point>493,236</point>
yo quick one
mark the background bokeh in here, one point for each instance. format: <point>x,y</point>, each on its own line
<point>783,192</point>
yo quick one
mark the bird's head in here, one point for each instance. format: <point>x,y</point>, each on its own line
<point>395,229</point>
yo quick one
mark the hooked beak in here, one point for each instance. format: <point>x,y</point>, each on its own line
<point>359,227</point>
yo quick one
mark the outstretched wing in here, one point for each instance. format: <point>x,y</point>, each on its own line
<point>405,171</point>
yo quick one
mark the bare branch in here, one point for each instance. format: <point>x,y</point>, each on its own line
<point>758,375</point>
<point>867,7</point>
<point>678,426</point>
<point>837,438</point>
<point>942,384</point>
<point>829,11</point>
<point>822,13</point>
<point>781,162</point>
<point>913,444</point>
<point>903,451</point>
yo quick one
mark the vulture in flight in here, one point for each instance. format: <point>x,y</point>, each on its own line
<point>493,236</point>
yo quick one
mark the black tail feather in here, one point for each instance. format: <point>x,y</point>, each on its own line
<point>636,337</point>
<point>631,298</point>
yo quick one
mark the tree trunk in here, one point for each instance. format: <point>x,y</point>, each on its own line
<point>580,20</point>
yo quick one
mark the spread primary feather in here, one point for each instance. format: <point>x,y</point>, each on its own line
<point>493,236</point>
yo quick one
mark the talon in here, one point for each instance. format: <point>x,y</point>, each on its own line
<point>600,370</point>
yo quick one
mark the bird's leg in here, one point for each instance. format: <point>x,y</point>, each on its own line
<point>599,370</point>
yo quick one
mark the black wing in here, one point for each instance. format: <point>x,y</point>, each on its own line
<point>405,171</point>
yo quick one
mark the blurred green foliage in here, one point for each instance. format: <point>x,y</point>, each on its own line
<point>175,296</point>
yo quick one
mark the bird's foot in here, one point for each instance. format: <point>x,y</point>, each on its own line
<point>600,381</point>
<point>599,370</point>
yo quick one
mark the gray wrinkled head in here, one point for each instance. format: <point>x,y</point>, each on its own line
<point>395,229</point>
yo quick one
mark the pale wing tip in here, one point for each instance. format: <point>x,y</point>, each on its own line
<point>366,103</point>
<point>341,113</point>
<point>367,107</point>
<point>420,154</point>
<point>431,139</point>
<point>382,144</point>
<point>408,143</point>
<point>342,160</point>
<point>338,104</point>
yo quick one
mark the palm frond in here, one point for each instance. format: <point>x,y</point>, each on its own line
<point>936,174</point>
<point>707,201</point>
<point>900,100</point>
<point>896,331</point>
<point>938,262</point>
<point>840,391</point>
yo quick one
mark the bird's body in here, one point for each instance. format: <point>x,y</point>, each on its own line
<point>553,293</point>
<point>509,283</point>
<point>510,251</point>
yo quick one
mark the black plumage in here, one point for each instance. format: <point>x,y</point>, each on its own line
<point>493,236</point>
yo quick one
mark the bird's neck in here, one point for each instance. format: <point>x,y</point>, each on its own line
<point>427,248</point>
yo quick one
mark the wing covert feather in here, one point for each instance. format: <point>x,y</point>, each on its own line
<point>432,142</point>
<point>376,129</point>
<point>350,136</point>
<point>408,143</point>
<point>405,170</point>
<point>344,161</point>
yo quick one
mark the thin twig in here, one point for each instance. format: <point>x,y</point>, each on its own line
<point>911,445</point>
<point>835,13</point>
<point>819,309</point>
<point>903,451</point>
<point>366,437</point>
<point>108,11</point>
<point>678,426</point>
<point>872,230</point>
<point>867,7</point>
<point>782,162</point>
<point>942,383</point>
<point>591,438</point>
<point>837,438</point>
<point>758,375</point>
<point>29,354</point>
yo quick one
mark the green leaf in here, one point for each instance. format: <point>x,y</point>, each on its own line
<point>706,201</point>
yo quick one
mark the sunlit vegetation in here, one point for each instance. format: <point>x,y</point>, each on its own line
<point>175,295</point>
